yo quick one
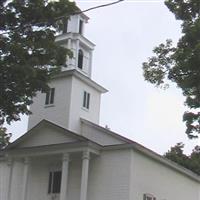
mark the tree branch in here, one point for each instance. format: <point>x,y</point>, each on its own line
<point>65,16</point>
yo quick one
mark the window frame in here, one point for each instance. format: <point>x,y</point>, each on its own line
<point>147,196</point>
<point>52,187</point>
<point>50,97</point>
<point>80,59</point>
<point>80,28</point>
<point>86,100</point>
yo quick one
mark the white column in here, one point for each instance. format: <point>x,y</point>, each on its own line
<point>90,64</point>
<point>64,180</point>
<point>84,176</point>
<point>25,178</point>
<point>10,167</point>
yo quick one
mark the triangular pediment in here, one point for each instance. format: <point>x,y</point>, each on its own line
<point>46,133</point>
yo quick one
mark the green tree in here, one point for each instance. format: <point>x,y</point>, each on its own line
<point>191,162</point>
<point>29,55</point>
<point>176,154</point>
<point>195,160</point>
<point>4,137</point>
<point>181,63</point>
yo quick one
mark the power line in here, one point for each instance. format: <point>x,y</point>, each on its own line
<point>103,5</point>
<point>66,16</point>
<point>92,8</point>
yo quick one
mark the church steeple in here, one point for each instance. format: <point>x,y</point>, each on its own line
<point>73,38</point>
<point>73,94</point>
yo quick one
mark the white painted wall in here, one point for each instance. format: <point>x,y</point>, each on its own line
<point>68,104</point>
<point>4,176</point>
<point>59,111</point>
<point>76,108</point>
<point>74,183</point>
<point>73,23</point>
<point>17,180</point>
<point>109,176</point>
<point>149,176</point>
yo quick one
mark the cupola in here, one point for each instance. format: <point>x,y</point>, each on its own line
<point>72,37</point>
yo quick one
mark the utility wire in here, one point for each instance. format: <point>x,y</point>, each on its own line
<point>103,5</point>
<point>92,8</point>
<point>66,16</point>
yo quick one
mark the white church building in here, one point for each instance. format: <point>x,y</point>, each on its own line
<point>67,155</point>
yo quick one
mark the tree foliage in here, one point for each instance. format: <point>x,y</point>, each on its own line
<point>181,63</point>
<point>4,137</point>
<point>191,162</point>
<point>28,52</point>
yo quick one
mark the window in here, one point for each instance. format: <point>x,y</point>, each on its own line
<point>80,59</point>
<point>86,100</point>
<point>50,96</point>
<point>148,197</point>
<point>80,27</point>
<point>54,182</point>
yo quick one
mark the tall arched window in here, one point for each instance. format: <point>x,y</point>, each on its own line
<point>80,59</point>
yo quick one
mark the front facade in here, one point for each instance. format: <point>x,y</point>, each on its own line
<point>66,155</point>
<point>53,163</point>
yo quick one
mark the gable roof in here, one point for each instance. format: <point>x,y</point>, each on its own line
<point>42,124</point>
<point>119,139</point>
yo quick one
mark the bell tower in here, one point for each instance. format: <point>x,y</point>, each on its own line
<point>73,94</point>
<point>73,38</point>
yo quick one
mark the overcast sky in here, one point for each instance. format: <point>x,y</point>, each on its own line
<point>125,35</point>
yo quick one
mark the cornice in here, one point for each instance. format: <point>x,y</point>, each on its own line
<point>74,36</point>
<point>81,77</point>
